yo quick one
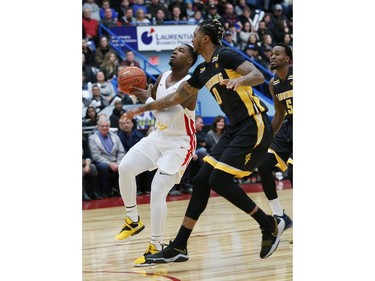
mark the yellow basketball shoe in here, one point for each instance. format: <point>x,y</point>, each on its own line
<point>130,228</point>
<point>141,261</point>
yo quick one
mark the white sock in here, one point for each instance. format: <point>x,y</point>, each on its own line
<point>276,207</point>
<point>157,240</point>
<point>132,213</point>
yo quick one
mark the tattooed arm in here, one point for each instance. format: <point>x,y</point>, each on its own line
<point>184,92</point>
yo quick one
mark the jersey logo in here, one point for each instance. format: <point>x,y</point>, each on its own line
<point>247,158</point>
<point>215,59</point>
<point>202,69</point>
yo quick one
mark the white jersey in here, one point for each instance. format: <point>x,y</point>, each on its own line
<point>176,120</point>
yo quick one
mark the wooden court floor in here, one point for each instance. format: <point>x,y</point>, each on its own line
<point>224,245</point>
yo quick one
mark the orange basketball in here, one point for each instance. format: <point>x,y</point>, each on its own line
<point>131,76</point>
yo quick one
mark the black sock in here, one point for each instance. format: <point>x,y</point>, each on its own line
<point>182,237</point>
<point>262,218</point>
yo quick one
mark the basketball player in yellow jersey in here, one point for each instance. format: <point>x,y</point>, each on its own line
<point>229,78</point>
<point>280,153</point>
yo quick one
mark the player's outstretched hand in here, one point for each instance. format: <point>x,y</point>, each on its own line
<point>142,94</point>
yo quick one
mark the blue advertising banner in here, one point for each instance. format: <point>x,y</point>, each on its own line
<point>127,34</point>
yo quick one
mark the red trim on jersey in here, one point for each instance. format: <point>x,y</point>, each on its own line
<point>190,131</point>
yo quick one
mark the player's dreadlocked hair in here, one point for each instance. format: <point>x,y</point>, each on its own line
<point>213,29</point>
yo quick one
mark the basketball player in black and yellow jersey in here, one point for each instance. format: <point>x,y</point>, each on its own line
<point>230,78</point>
<point>280,153</point>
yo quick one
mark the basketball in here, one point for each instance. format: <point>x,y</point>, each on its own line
<point>131,76</point>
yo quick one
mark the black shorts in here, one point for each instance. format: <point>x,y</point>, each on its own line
<point>242,148</point>
<point>282,145</point>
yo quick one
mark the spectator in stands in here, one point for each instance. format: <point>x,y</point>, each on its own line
<point>267,20</point>
<point>91,117</point>
<point>252,51</point>
<point>229,38</point>
<point>106,151</point>
<point>221,6</point>
<point>95,14</point>
<point>245,17</point>
<point>254,41</point>
<point>128,19</point>
<point>266,42</point>
<point>88,53</point>
<point>90,184</point>
<point>189,10</point>
<point>239,6</point>
<point>288,40</point>
<point>181,5</point>
<point>243,36</point>
<point>290,27</point>
<point>124,5</point>
<point>110,65</point>
<point>101,50</point>
<point>90,26</point>
<point>124,98</point>
<point>197,18</point>
<point>139,4</point>
<point>230,18</point>
<point>87,71</point>
<point>130,60</point>
<point>106,88</point>
<point>109,21</point>
<point>160,17</point>
<point>129,136</point>
<point>277,14</point>
<point>97,101</point>
<point>140,18</point>
<point>116,114</point>
<point>265,62</point>
<point>85,92</point>
<point>107,5</point>
<point>176,15</point>
<point>212,13</point>
<point>278,29</point>
<point>154,6</point>
<point>262,30</point>
<point>217,131</point>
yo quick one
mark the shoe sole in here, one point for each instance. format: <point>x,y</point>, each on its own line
<point>178,258</point>
<point>134,233</point>
<point>280,230</point>
<point>143,264</point>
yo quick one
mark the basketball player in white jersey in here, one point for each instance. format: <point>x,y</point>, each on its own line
<point>169,149</point>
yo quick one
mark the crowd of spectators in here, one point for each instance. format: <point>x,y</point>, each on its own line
<point>252,26</point>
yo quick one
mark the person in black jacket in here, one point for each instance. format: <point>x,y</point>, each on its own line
<point>89,174</point>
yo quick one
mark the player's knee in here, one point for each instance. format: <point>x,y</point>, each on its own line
<point>219,180</point>
<point>267,165</point>
<point>126,166</point>
<point>200,182</point>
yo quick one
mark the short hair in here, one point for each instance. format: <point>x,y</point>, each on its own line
<point>103,118</point>
<point>288,50</point>
<point>193,53</point>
